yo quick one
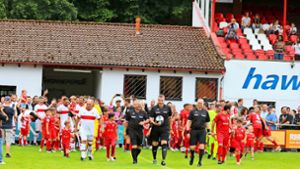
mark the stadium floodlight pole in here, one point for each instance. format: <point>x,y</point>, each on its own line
<point>213,9</point>
<point>284,19</point>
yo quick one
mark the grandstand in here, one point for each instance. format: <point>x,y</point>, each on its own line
<point>252,43</point>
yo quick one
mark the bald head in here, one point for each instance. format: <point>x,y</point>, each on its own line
<point>89,104</point>
<point>200,103</point>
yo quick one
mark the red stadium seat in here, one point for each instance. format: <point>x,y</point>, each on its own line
<point>239,56</point>
<point>288,48</point>
<point>234,46</point>
<point>248,51</point>
<point>287,58</point>
<point>263,57</point>
<point>243,41</point>
<point>270,53</point>
<point>246,46</point>
<point>228,56</point>
<point>294,38</point>
<point>229,16</point>
<point>221,39</point>
<point>259,52</point>
<point>251,56</point>
<point>272,38</point>
<point>219,16</point>
<point>239,32</point>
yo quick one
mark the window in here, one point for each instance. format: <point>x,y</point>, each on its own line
<point>7,90</point>
<point>171,87</point>
<point>135,85</point>
<point>207,88</point>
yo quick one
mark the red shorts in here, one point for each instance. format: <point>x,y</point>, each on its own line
<point>66,145</point>
<point>54,133</point>
<point>267,132</point>
<point>239,146</point>
<point>250,143</point>
<point>110,141</point>
<point>24,132</point>
<point>223,139</point>
<point>258,132</point>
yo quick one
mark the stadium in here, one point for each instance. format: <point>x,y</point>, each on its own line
<point>87,94</point>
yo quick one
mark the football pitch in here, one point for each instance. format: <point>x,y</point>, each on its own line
<point>30,158</point>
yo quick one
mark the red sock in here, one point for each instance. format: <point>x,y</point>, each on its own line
<point>237,156</point>
<point>261,146</point>
<point>42,143</point>
<point>220,152</point>
<point>130,147</point>
<point>224,153</point>
<point>107,151</point>
<point>275,143</point>
<point>48,145</point>
<point>24,141</point>
<point>20,141</point>
<point>113,151</point>
<point>186,151</point>
<point>212,149</point>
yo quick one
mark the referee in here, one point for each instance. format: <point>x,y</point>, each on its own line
<point>135,119</point>
<point>160,132</point>
<point>198,121</point>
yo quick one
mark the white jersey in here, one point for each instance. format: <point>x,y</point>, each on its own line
<point>26,113</point>
<point>63,112</point>
<point>40,112</point>
<point>87,120</point>
<point>77,108</point>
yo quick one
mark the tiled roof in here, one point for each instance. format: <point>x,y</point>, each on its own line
<point>107,44</point>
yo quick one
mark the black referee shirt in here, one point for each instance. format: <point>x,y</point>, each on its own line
<point>199,118</point>
<point>165,112</point>
<point>134,118</point>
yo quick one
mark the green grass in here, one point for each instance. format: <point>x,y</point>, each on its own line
<point>30,158</point>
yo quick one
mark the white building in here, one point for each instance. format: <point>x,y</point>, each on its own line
<point>180,62</point>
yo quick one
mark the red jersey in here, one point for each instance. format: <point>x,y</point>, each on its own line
<point>184,114</point>
<point>66,135</point>
<point>222,123</point>
<point>110,129</point>
<point>250,137</point>
<point>255,120</point>
<point>239,133</point>
<point>54,122</point>
<point>46,121</point>
<point>25,122</point>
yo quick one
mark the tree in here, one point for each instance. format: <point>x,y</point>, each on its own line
<point>94,10</point>
<point>43,9</point>
<point>2,9</point>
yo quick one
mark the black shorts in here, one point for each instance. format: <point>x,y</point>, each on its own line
<point>136,137</point>
<point>197,137</point>
<point>159,134</point>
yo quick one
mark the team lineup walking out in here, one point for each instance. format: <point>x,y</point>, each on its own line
<point>86,124</point>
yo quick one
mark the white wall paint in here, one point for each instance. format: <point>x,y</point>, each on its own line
<point>237,72</point>
<point>24,77</point>
<point>112,83</point>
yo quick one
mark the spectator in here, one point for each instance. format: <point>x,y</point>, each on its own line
<point>285,118</point>
<point>256,22</point>
<point>297,118</point>
<point>3,118</point>
<point>271,118</point>
<point>293,29</point>
<point>296,47</point>
<point>7,125</point>
<point>264,111</point>
<point>279,48</point>
<point>246,21</point>
<point>254,102</point>
<point>275,28</point>
<point>244,113</point>
<point>240,106</point>
<point>232,27</point>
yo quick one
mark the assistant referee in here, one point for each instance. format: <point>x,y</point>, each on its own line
<point>198,121</point>
<point>135,119</point>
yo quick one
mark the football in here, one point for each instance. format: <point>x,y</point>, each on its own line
<point>159,120</point>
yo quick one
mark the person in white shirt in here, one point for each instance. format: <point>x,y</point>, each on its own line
<point>63,111</point>
<point>39,110</point>
<point>246,21</point>
<point>87,117</point>
<point>296,47</point>
<point>293,29</point>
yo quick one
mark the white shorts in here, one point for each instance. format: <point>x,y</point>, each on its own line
<point>85,135</point>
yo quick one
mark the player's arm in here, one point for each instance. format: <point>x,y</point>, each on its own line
<point>112,99</point>
<point>151,118</point>
<point>47,127</point>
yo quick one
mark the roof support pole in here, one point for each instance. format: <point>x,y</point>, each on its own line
<point>284,19</point>
<point>213,9</point>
